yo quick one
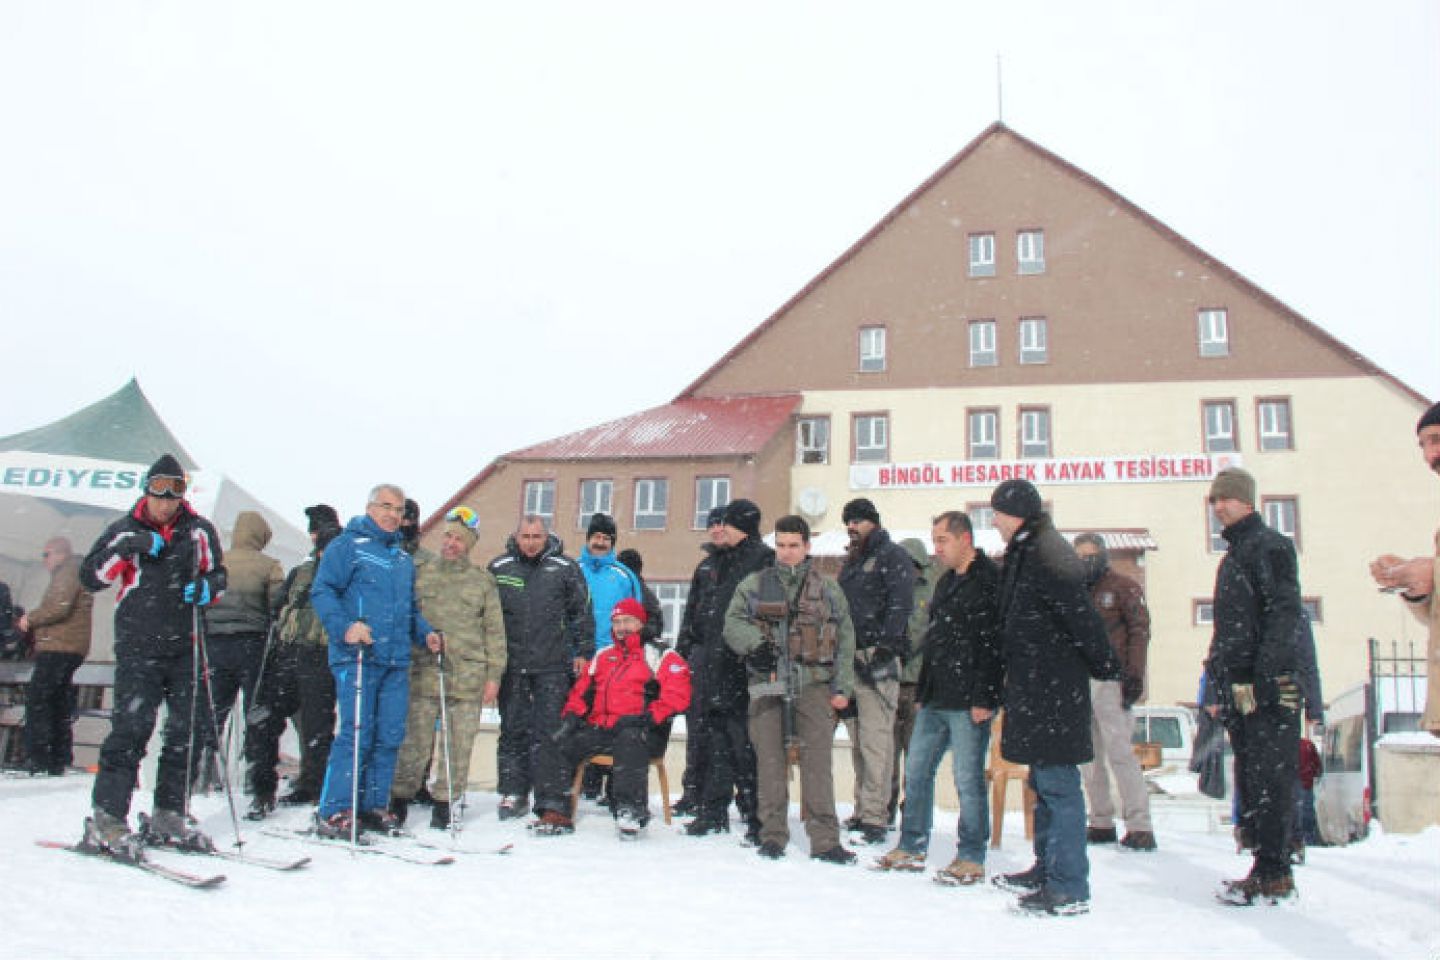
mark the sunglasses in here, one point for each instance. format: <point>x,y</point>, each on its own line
<point>465,516</point>
<point>168,488</point>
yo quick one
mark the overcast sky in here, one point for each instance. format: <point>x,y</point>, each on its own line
<point>340,243</point>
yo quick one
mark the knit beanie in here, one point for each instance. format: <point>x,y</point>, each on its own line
<point>1232,483</point>
<point>166,466</point>
<point>321,515</point>
<point>716,515</point>
<point>860,509</point>
<point>1017,498</point>
<point>744,516</point>
<point>629,607</point>
<point>632,559</point>
<point>1431,418</point>
<point>601,523</point>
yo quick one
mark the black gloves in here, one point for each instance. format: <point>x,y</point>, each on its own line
<point>140,543</point>
<point>1131,690</point>
<point>765,658</point>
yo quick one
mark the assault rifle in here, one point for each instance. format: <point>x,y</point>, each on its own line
<point>785,676</point>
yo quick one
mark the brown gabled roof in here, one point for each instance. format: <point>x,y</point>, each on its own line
<point>998,128</point>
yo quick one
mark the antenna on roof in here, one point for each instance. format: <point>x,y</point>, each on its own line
<point>999,90</point>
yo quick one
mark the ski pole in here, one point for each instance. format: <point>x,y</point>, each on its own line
<point>445,735</point>
<point>355,752</point>
<point>220,749</point>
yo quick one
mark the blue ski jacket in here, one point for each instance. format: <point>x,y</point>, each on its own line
<point>610,581</point>
<point>365,575</point>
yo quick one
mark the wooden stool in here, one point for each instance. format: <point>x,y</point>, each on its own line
<point>606,760</point>
<point>1000,773</point>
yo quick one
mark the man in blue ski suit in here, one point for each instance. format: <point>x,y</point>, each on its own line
<point>364,594</point>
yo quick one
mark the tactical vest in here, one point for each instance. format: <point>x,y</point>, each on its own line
<point>298,621</point>
<point>813,634</point>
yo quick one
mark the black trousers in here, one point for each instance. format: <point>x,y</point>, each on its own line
<point>50,710</point>
<point>528,756</point>
<point>234,660</point>
<point>731,765</point>
<point>142,684</point>
<point>297,686</point>
<point>630,747</point>
<point>1267,754</point>
<point>693,782</point>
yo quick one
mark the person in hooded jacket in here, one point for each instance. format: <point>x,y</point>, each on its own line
<point>166,563</point>
<point>550,636</point>
<point>1053,644</point>
<point>364,594</point>
<point>622,706</point>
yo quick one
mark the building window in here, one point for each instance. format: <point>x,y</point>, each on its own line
<point>983,441</point>
<point>596,496</point>
<point>1274,426</point>
<point>1030,251</point>
<point>710,492</point>
<point>872,349</point>
<point>1034,340</point>
<point>982,254</point>
<point>1219,417</point>
<point>1282,514</point>
<point>540,499</point>
<point>982,344</point>
<point>1216,540</point>
<point>1204,612</point>
<point>812,440</point>
<point>672,597</point>
<point>872,438</point>
<point>1034,432</point>
<point>982,516</point>
<point>1313,609</point>
<point>652,503</point>
<point>1214,333</point>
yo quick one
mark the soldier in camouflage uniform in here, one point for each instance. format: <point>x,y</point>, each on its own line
<point>460,600</point>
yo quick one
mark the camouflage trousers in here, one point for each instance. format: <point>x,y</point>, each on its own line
<point>423,743</point>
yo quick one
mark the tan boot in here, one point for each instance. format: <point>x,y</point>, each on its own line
<point>901,860</point>
<point>961,873</point>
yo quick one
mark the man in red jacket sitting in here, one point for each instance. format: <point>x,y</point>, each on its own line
<point>622,705</point>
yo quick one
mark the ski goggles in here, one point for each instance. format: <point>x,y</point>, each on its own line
<point>464,516</point>
<point>167,488</point>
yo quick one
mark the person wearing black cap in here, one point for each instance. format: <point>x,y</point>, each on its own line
<point>878,578</point>
<point>1253,667</point>
<point>1053,643</point>
<point>1415,579</point>
<point>720,683</point>
<point>696,760</point>
<point>167,562</point>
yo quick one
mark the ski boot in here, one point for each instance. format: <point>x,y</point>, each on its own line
<point>168,828</point>
<point>110,836</point>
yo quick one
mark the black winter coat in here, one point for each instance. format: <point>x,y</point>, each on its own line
<point>879,586</point>
<point>1053,643</point>
<point>718,679</point>
<point>548,620</point>
<point>1257,611</point>
<point>152,618</point>
<point>962,666</point>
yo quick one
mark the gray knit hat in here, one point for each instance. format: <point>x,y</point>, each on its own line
<point>1232,483</point>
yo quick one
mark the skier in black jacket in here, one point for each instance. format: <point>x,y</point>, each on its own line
<point>166,562</point>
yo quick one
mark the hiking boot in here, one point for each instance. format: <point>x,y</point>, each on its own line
<point>552,824</point>
<point>1100,835</point>
<point>261,806</point>
<point>1046,902</point>
<point>339,826</point>
<point>869,834</point>
<point>1022,882</point>
<point>513,807</point>
<point>706,824</point>
<point>299,797</point>
<point>902,860</point>
<point>1244,893</point>
<point>440,815</point>
<point>771,850</point>
<point>961,873</point>
<point>686,806</point>
<point>380,821</point>
<point>837,855</point>
<point>400,807</point>
<point>170,828</point>
<point>1140,840</point>
<point>111,835</point>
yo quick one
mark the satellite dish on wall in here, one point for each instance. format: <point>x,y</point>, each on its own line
<point>813,502</point>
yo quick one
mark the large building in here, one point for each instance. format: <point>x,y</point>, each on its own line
<point>1015,316</point>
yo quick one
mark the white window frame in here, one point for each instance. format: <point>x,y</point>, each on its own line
<point>1034,340</point>
<point>1215,541</point>
<point>984,352</point>
<point>538,498</point>
<point>1282,514</point>
<point>872,349</point>
<point>649,516</point>
<point>1030,251</point>
<point>1275,426</point>
<point>710,492</point>
<point>872,437</point>
<point>982,516</point>
<point>672,597</point>
<point>1203,612</point>
<point>1217,438</point>
<point>978,423</point>
<point>812,440</point>
<point>596,496</point>
<point>1214,332</point>
<point>982,254</point>
<point>1034,446</point>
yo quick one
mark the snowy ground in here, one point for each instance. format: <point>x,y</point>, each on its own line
<point>673,896</point>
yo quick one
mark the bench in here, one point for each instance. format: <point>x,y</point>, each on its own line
<point>95,684</point>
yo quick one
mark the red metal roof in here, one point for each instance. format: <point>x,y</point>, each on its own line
<point>689,427</point>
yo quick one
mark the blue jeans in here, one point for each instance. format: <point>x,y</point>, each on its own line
<point>384,706</point>
<point>935,732</point>
<point>1060,829</point>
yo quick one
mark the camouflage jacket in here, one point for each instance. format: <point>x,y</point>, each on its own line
<point>298,622</point>
<point>460,600</point>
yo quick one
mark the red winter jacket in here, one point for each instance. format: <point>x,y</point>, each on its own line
<point>618,675</point>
